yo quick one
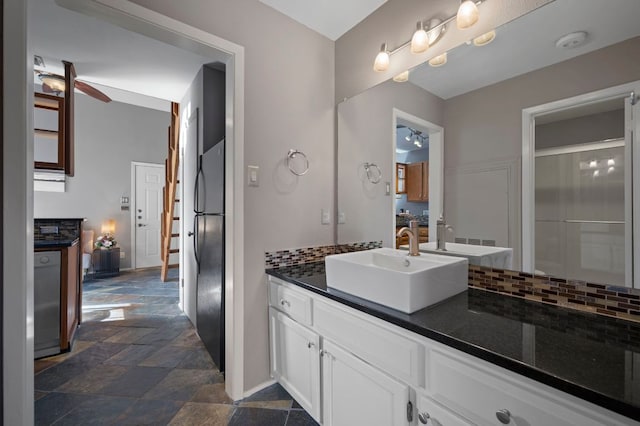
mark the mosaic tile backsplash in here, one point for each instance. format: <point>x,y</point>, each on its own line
<point>278,259</point>
<point>612,301</point>
<point>68,229</point>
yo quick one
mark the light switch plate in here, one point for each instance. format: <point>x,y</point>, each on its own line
<point>342,217</point>
<point>252,175</point>
<point>326,217</point>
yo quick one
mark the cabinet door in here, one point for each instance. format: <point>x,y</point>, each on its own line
<point>425,181</point>
<point>70,281</point>
<point>295,360</point>
<point>401,178</point>
<point>355,393</point>
<point>414,182</point>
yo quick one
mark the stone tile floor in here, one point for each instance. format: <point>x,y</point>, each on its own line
<point>137,360</point>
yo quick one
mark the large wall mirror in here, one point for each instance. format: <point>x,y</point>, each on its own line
<point>527,141</point>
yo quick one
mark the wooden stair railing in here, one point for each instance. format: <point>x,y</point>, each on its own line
<point>169,194</point>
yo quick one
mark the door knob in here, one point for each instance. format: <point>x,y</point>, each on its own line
<point>189,234</point>
<point>140,225</point>
<point>424,418</point>
<point>139,217</point>
<point>139,210</point>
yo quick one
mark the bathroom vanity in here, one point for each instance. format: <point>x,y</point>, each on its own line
<point>475,358</point>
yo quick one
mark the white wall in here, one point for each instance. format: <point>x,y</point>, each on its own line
<point>108,137</point>
<point>289,88</point>
<point>366,135</point>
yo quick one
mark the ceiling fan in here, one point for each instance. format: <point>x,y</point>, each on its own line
<point>55,83</point>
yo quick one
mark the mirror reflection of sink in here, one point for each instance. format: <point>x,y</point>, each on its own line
<point>494,257</point>
<point>394,279</point>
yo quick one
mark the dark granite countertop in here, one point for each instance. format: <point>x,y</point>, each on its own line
<point>54,243</point>
<point>586,355</point>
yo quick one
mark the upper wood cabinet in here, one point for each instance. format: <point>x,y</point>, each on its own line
<point>401,178</point>
<point>418,181</point>
<point>48,138</point>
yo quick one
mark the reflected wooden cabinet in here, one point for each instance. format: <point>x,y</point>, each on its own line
<point>401,178</point>
<point>48,138</point>
<point>418,181</point>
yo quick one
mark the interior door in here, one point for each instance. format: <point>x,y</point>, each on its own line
<point>149,180</point>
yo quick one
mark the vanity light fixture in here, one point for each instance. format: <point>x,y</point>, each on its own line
<point>423,38</point>
<point>382,59</point>
<point>485,38</point>
<point>439,60</point>
<point>402,77</point>
<point>467,14</point>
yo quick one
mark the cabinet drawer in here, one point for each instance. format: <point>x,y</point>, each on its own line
<point>292,302</point>
<point>374,342</point>
<point>430,412</point>
<point>479,395</point>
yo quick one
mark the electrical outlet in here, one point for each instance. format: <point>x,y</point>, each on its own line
<point>121,254</point>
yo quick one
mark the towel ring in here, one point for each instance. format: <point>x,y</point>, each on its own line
<point>374,174</point>
<point>290,156</point>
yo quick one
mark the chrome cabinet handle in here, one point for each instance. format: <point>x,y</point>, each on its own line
<point>424,417</point>
<point>140,225</point>
<point>285,302</point>
<point>504,416</point>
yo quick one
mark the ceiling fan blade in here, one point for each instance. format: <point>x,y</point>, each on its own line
<point>47,89</point>
<point>91,91</point>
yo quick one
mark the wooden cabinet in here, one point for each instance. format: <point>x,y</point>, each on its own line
<point>418,181</point>
<point>48,139</point>
<point>69,295</point>
<point>355,393</point>
<point>295,360</point>
<point>401,178</point>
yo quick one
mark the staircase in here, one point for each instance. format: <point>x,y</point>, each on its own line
<point>169,217</point>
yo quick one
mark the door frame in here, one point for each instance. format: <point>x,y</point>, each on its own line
<point>436,172</point>
<point>632,186</point>
<point>132,204</point>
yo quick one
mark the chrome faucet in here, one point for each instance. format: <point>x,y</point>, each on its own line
<point>413,232</point>
<point>441,230</point>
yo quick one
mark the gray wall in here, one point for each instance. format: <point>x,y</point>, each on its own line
<point>590,128</point>
<point>108,137</point>
<point>394,22</point>
<point>485,125</point>
<point>289,103</point>
<point>366,134</point>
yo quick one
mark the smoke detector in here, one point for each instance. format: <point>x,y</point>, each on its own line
<point>572,40</point>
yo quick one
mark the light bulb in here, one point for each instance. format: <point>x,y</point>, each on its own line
<point>611,162</point>
<point>420,40</point>
<point>596,173</point>
<point>402,77</point>
<point>439,60</point>
<point>407,138</point>
<point>593,164</point>
<point>467,14</point>
<point>611,169</point>
<point>382,59</point>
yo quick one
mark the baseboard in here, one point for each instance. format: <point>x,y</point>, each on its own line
<point>259,388</point>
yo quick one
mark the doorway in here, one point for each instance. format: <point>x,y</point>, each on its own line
<point>431,199</point>
<point>147,182</point>
<point>580,203</point>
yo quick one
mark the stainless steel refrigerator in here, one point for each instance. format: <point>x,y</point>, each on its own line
<point>209,250</point>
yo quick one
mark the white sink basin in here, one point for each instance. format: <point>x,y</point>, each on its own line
<point>391,278</point>
<point>495,257</point>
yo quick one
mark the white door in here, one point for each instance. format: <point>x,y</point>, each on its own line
<point>355,393</point>
<point>149,181</point>
<point>295,360</point>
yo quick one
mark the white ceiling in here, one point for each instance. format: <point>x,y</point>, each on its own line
<point>528,43</point>
<point>331,18</point>
<point>111,57</point>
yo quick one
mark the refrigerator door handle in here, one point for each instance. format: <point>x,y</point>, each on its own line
<point>196,188</point>
<point>196,241</point>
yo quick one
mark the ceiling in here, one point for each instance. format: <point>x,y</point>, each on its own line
<point>125,65</point>
<point>331,18</point>
<point>528,43</point>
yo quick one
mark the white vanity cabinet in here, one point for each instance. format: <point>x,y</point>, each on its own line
<point>355,393</point>
<point>371,372</point>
